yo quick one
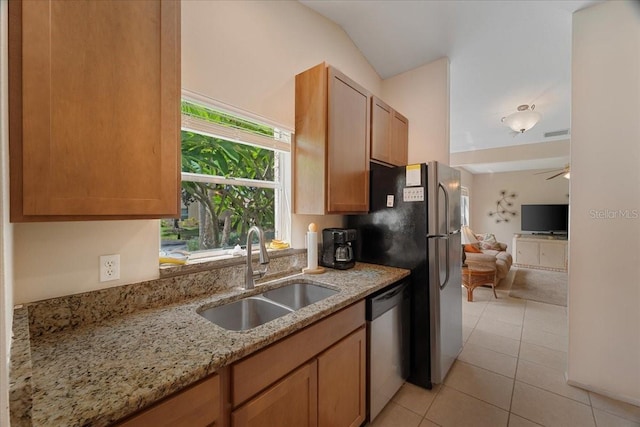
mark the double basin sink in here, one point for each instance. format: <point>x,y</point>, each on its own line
<point>257,310</point>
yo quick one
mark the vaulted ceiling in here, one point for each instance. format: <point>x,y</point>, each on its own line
<point>502,54</point>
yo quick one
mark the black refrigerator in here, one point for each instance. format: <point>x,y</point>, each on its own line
<point>414,223</point>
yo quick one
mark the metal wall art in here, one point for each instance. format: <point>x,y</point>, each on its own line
<point>504,207</point>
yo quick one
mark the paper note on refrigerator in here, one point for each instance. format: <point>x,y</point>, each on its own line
<point>413,176</point>
<point>390,200</point>
<point>413,194</point>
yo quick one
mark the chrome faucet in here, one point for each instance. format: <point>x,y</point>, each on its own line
<point>264,258</point>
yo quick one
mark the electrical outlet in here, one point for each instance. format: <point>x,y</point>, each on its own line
<point>109,267</point>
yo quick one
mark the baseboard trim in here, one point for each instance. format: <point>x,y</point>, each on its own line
<point>539,267</point>
<point>603,392</point>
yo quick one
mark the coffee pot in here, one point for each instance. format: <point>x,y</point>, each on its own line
<point>344,253</point>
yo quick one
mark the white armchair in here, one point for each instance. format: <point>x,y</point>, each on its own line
<point>487,251</point>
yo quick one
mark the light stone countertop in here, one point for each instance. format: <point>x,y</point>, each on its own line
<point>104,371</point>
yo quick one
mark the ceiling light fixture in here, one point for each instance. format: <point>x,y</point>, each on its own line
<point>523,119</point>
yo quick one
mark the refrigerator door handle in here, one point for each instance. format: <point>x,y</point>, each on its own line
<point>447,265</point>
<point>443,284</point>
<point>447,219</point>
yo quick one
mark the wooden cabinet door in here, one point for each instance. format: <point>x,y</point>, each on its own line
<point>94,109</point>
<point>552,255</point>
<point>342,383</point>
<point>309,145</point>
<point>389,134</point>
<point>347,146</point>
<point>399,143</point>
<point>291,402</point>
<point>528,253</point>
<point>381,118</point>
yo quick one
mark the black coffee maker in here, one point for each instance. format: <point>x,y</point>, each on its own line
<point>337,248</point>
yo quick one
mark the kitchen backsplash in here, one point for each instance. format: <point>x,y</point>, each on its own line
<point>186,282</point>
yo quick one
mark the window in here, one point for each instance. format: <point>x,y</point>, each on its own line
<point>464,206</point>
<point>234,166</point>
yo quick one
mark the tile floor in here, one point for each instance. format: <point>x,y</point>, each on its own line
<point>510,373</point>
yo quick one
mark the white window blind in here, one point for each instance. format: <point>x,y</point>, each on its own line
<point>281,140</point>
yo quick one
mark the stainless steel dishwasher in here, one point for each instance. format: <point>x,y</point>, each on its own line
<point>387,344</point>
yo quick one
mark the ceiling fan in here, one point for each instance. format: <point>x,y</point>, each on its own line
<point>565,171</point>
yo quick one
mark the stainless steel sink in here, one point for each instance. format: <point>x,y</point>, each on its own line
<point>298,295</point>
<point>257,310</point>
<point>244,314</point>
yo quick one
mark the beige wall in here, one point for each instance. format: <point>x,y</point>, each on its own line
<point>529,188</point>
<point>422,95</point>
<point>54,259</point>
<point>247,53</point>
<point>466,179</point>
<point>604,253</point>
<point>63,258</point>
<point>6,229</point>
<point>514,154</point>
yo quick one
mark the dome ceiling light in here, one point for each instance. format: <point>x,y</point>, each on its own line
<point>523,119</point>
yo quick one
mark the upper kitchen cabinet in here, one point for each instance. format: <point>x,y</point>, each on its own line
<point>94,109</point>
<point>389,134</point>
<point>399,145</point>
<point>331,149</point>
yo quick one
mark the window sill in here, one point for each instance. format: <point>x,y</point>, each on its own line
<point>219,261</point>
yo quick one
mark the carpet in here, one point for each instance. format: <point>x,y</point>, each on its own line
<point>540,285</point>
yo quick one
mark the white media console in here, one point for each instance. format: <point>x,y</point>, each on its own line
<point>542,252</point>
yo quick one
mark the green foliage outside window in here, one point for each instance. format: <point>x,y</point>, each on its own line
<point>224,212</point>
<point>199,111</point>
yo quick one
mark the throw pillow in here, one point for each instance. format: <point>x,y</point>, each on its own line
<point>481,237</point>
<point>489,242</point>
<point>472,249</point>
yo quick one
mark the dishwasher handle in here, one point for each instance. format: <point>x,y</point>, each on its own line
<point>388,295</point>
<point>379,304</point>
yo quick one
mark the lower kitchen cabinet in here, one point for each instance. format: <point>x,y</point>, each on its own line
<point>315,377</point>
<point>342,382</point>
<point>291,402</point>
<point>329,391</point>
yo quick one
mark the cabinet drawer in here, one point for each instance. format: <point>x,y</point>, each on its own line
<point>256,372</point>
<point>197,406</point>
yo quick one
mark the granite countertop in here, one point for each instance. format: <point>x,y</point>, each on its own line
<point>101,372</point>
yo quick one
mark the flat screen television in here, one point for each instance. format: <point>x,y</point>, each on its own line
<point>545,219</point>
